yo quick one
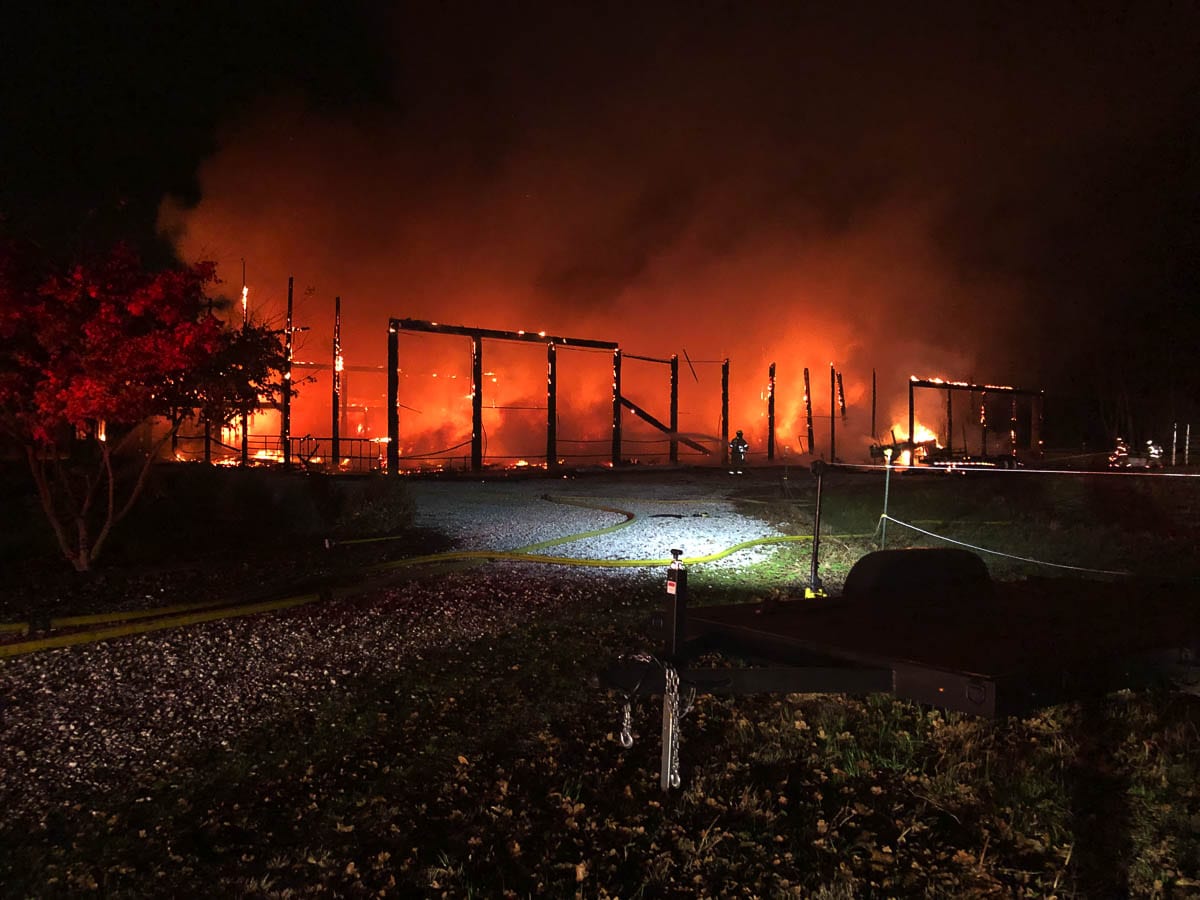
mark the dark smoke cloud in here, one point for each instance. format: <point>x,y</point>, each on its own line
<point>945,192</point>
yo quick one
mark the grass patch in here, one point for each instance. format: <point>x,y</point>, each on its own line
<point>1146,526</point>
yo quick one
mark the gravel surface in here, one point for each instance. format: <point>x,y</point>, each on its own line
<point>126,710</point>
<point>694,516</point>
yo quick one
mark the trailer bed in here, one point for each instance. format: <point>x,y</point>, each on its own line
<point>1024,645</point>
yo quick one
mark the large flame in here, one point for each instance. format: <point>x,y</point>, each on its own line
<point>923,438</point>
<point>566,237</point>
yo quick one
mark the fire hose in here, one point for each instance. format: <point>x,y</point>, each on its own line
<point>123,624</point>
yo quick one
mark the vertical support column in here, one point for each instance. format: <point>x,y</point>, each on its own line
<point>476,403</point>
<point>887,484</point>
<point>912,445</point>
<point>808,413</point>
<point>285,417</point>
<point>344,428</point>
<point>245,412</point>
<point>393,398</point>
<point>725,412</point>
<point>1012,427</point>
<point>814,578</point>
<point>771,413</point>
<point>337,382</point>
<point>1036,423</point>
<point>551,407</point>
<point>616,398</point>
<point>245,451</point>
<point>832,414</point>
<point>674,409</point>
<point>874,397</point>
<point>949,422</point>
<point>983,422</point>
<point>674,608</point>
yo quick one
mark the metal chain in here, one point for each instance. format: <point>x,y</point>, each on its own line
<point>627,725</point>
<point>671,680</point>
<point>627,707</point>
<point>673,711</point>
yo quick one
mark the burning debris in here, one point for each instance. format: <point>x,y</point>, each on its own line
<point>923,446</point>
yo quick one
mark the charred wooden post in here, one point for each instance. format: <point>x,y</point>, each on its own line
<point>1012,427</point>
<point>551,407</point>
<point>808,412</point>
<point>476,403</point>
<point>245,450</point>
<point>337,380</point>
<point>285,416</point>
<point>616,423</point>
<point>832,414</point>
<point>1037,421</point>
<point>724,412</point>
<point>1019,435</point>
<point>245,411</point>
<point>874,396</point>
<point>949,422</point>
<point>912,418</point>
<point>841,394</point>
<point>674,408</point>
<point>983,425</point>
<point>477,336</point>
<point>345,392</point>
<point>814,579</point>
<point>393,398</point>
<point>970,411</point>
<point>771,413</point>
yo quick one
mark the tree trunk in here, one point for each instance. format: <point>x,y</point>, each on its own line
<point>84,549</point>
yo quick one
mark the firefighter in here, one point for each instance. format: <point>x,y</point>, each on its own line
<point>1119,458</point>
<point>737,453</point>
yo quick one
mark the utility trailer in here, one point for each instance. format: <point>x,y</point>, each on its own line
<point>926,625</point>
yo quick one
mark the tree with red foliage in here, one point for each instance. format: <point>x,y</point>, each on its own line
<point>90,352</point>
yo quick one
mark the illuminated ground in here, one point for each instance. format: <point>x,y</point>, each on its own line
<point>105,713</point>
<point>692,512</point>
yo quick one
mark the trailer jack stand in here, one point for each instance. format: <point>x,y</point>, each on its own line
<point>671,714</point>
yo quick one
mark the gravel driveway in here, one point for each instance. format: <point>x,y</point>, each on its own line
<point>99,714</point>
<point>695,515</point>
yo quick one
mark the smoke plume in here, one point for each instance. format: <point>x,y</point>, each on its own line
<point>784,185</point>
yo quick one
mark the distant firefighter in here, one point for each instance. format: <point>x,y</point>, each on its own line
<point>737,453</point>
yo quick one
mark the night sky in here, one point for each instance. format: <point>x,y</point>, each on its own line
<point>1009,194</point>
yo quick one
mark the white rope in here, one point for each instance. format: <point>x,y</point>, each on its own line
<point>1037,562</point>
<point>996,470</point>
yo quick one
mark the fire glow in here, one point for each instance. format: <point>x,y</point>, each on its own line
<point>589,263</point>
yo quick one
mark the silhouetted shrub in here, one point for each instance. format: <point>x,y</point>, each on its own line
<point>205,509</point>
